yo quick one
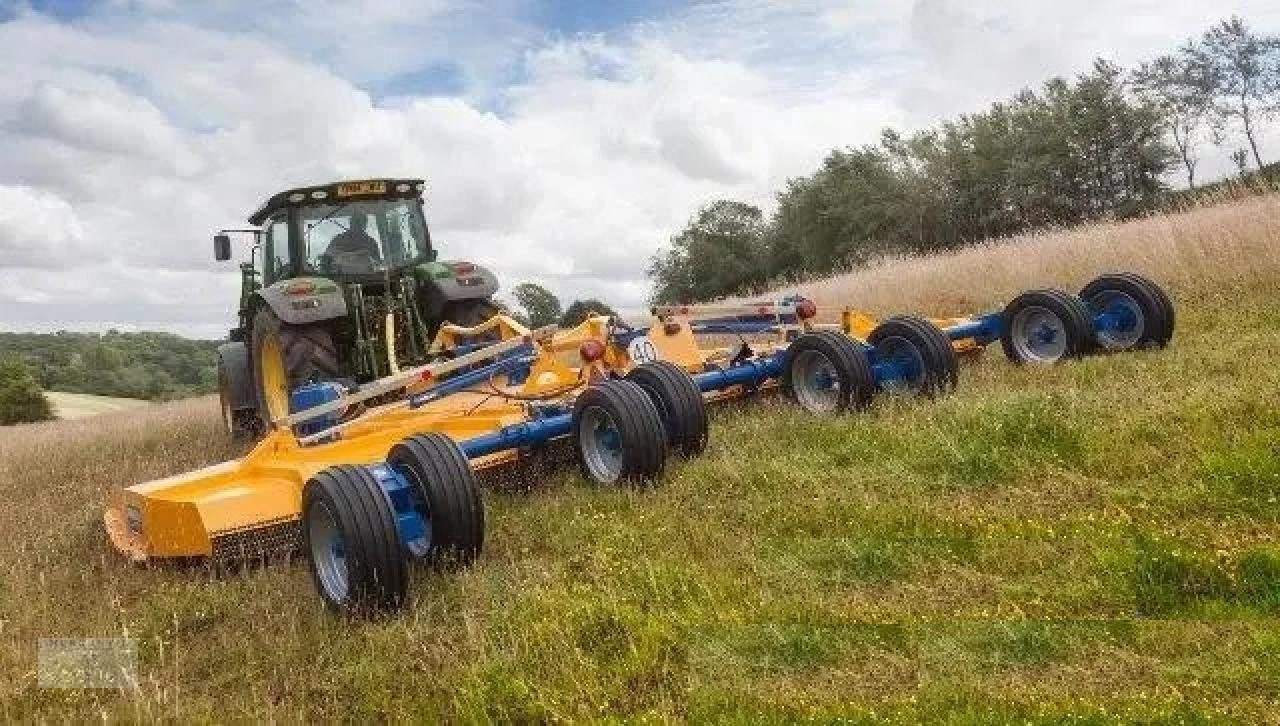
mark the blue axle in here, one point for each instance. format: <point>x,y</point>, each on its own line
<point>989,328</point>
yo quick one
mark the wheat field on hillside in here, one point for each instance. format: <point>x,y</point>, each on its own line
<point>1205,251</point>
<point>1092,542</point>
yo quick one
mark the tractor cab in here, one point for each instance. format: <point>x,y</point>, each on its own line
<point>345,231</point>
<point>342,284</point>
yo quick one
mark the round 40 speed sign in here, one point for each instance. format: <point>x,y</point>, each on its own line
<point>641,350</point>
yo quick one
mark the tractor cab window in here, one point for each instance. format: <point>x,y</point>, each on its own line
<point>363,237</point>
<point>275,254</point>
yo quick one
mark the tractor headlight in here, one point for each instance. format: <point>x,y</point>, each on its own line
<point>133,519</point>
<point>402,188</point>
<point>319,194</point>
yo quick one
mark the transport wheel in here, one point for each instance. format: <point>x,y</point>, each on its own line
<point>618,434</point>
<point>826,372</point>
<point>349,531</point>
<point>922,351</point>
<point>1139,312</point>
<point>285,357</point>
<point>679,404</point>
<point>1046,326</point>
<point>448,494</point>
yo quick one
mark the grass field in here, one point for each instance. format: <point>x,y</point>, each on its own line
<point>80,405</point>
<point>1092,542</point>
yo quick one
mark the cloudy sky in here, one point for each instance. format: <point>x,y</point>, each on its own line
<point>563,141</point>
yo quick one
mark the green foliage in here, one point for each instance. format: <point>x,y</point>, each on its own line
<point>1073,151</point>
<point>21,400</point>
<point>580,310</point>
<point>722,249</point>
<point>539,303</point>
<point>128,365</point>
<point>1240,71</point>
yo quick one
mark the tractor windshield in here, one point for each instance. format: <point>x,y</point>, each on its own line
<point>363,237</point>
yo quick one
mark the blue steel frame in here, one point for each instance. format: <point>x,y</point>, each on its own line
<point>986,329</point>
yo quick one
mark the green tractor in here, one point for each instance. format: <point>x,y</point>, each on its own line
<point>342,285</point>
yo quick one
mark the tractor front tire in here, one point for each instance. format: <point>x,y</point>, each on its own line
<point>470,313</point>
<point>285,357</point>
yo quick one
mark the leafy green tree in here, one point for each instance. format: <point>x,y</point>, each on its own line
<point>541,305</point>
<point>580,310</point>
<point>1169,84</point>
<point>719,251</point>
<point>21,399</point>
<point>1240,69</point>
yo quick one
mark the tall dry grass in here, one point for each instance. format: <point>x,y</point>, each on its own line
<point>747,580</point>
<point>1198,252</point>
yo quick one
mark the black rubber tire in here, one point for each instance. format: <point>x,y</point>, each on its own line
<point>442,476</point>
<point>853,368</point>
<point>1066,307</point>
<point>642,438</point>
<point>310,356</point>
<point>470,313</point>
<point>679,404</point>
<point>942,366</point>
<point>240,423</point>
<point>377,573</point>
<point>1157,308</point>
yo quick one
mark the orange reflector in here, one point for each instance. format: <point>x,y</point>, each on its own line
<point>300,287</point>
<point>806,309</point>
<point>591,350</point>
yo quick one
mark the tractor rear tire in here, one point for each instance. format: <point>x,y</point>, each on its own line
<point>235,389</point>
<point>930,348</point>
<point>469,313</point>
<point>442,477</point>
<point>349,531</point>
<point>1065,327</point>
<point>827,353</point>
<point>679,404</point>
<point>618,434</point>
<point>1153,305</point>
<point>304,354</point>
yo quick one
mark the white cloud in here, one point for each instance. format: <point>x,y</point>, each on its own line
<point>128,136</point>
<point>37,228</point>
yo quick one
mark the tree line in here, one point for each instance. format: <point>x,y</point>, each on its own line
<point>1097,146</point>
<point>151,366</point>
<point>536,306</point>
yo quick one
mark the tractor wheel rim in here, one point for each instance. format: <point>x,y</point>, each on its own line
<point>275,382</point>
<point>601,445</point>
<point>328,552</point>
<point>1124,309</point>
<point>815,381</point>
<point>1039,335</point>
<point>905,356</point>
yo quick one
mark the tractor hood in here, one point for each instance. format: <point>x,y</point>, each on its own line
<point>303,300</point>
<point>458,279</point>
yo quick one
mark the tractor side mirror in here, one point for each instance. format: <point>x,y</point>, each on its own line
<point>221,247</point>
